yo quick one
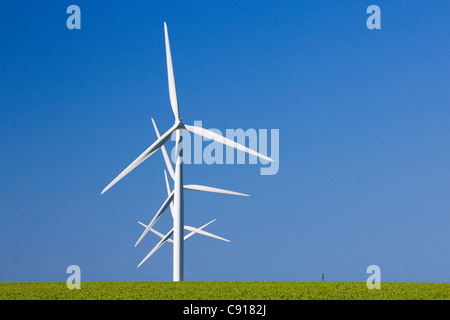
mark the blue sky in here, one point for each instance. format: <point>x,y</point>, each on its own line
<point>363,117</point>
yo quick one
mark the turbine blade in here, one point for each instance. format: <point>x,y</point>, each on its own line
<point>170,76</point>
<point>156,217</point>
<point>193,232</point>
<point>147,153</point>
<point>165,155</point>
<point>155,232</point>
<point>168,192</point>
<point>144,225</point>
<point>160,243</point>
<point>217,137</point>
<point>211,189</point>
<point>208,234</point>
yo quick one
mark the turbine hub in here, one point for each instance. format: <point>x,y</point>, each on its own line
<point>180,124</point>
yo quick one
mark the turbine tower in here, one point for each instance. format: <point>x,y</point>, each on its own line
<point>175,197</point>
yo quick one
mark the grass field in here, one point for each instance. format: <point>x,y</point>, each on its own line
<point>223,291</point>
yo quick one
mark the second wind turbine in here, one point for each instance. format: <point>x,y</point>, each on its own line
<point>176,196</point>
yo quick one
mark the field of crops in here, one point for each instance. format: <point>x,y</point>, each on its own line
<point>224,291</point>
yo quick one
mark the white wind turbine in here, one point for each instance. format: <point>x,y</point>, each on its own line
<point>175,197</point>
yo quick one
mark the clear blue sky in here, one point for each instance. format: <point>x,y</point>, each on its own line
<point>364,120</point>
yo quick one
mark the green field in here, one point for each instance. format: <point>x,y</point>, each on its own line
<point>224,291</point>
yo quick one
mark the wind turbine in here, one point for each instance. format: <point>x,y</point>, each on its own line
<point>175,197</point>
<point>193,230</point>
